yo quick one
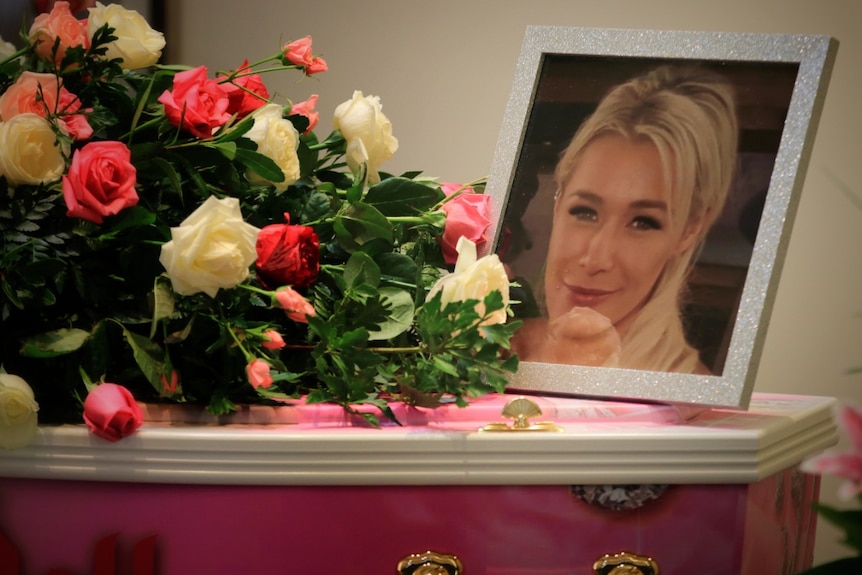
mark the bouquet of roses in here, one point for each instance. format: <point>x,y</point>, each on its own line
<point>169,234</point>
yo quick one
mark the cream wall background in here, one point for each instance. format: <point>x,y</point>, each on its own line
<point>443,70</point>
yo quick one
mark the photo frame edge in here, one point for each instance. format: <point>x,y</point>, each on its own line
<point>815,55</point>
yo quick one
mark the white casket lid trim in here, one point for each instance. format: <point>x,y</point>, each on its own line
<point>675,446</point>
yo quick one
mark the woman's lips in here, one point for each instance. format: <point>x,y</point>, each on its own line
<point>586,297</point>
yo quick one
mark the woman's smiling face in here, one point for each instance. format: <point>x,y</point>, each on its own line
<point>612,232</point>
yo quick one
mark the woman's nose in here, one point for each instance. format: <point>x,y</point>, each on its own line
<point>598,251</point>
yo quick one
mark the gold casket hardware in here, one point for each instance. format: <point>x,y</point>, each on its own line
<point>521,410</point>
<point>430,563</point>
<point>625,564</point>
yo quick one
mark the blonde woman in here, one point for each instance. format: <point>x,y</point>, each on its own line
<point>637,189</point>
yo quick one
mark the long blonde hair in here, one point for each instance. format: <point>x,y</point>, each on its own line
<point>689,114</point>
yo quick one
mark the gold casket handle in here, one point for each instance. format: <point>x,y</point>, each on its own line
<point>430,563</point>
<point>625,564</point>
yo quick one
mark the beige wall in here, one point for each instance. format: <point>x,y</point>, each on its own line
<point>444,68</point>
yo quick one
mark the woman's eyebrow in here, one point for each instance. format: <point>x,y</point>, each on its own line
<point>650,204</point>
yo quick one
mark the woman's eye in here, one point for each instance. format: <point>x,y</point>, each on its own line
<point>646,223</point>
<point>583,213</point>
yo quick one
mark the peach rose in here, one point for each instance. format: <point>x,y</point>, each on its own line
<point>467,216</point>
<point>258,373</point>
<point>58,24</point>
<point>307,109</point>
<point>196,103</point>
<point>43,94</point>
<point>30,152</point>
<point>137,44</point>
<point>272,340</point>
<point>211,249</point>
<point>101,181</point>
<point>294,305</point>
<point>111,412</point>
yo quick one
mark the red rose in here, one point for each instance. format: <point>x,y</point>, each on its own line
<point>110,411</point>
<point>246,92</point>
<point>467,216</point>
<point>287,255</point>
<point>101,181</point>
<point>197,102</point>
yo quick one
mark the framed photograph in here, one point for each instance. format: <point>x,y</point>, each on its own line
<point>644,186</point>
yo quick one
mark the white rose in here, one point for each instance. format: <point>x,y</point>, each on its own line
<point>18,407</point>
<point>29,152</point>
<point>474,279</point>
<point>211,249</point>
<point>277,139</point>
<point>137,45</point>
<point>361,118</point>
<point>6,49</point>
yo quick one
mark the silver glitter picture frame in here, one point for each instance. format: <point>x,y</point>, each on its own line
<point>780,82</point>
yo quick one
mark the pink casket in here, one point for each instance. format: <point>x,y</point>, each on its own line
<point>304,490</point>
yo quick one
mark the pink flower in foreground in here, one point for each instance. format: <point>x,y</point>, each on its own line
<point>110,411</point>
<point>307,109</point>
<point>847,466</point>
<point>272,340</point>
<point>294,305</point>
<point>258,373</point>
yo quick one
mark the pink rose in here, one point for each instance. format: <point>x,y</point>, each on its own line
<point>467,216</point>
<point>294,305</point>
<point>111,412</point>
<point>298,52</point>
<point>44,95</point>
<point>258,373</point>
<point>101,181</point>
<point>307,109</point>
<point>60,24</point>
<point>196,104</point>
<point>316,66</point>
<point>272,340</point>
<point>246,91</point>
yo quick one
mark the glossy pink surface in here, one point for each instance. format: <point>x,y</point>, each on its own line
<point>765,528</point>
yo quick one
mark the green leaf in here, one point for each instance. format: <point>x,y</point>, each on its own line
<point>360,223</point>
<point>149,357</point>
<point>402,197</point>
<point>261,165</point>
<point>54,343</point>
<point>360,269</point>
<point>400,309</point>
<point>227,149</point>
<point>163,304</point>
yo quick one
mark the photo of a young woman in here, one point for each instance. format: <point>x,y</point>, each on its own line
<point>636,191</point>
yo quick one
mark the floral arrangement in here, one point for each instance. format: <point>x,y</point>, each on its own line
<point>847,466</point>
<point>173,235</point>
